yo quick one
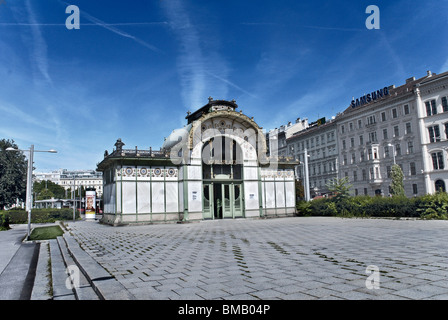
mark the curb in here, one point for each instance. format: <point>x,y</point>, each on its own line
<point>104,284</point>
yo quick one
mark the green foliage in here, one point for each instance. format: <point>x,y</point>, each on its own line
<point>46,233</point>
<point>20,216</point>
<point>4,222</point>
<point>13,169</point>
<point>303,208</point>
<point>434,206</point>
<point>396,185</point>
<point>340,188</point>
<point>47,189</point>
<point>425,207</point>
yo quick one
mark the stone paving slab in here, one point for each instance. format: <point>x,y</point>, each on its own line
<point>288,258</point>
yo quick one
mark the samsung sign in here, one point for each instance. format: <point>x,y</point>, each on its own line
<point>370,97</point>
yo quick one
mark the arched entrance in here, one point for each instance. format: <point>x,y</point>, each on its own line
<point>440,186</point>
<point>222,176</point>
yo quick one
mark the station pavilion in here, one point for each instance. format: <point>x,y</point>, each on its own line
<point>215,167</point>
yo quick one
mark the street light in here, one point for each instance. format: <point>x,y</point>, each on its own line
<point>29,181</point>
<point>391,145</point>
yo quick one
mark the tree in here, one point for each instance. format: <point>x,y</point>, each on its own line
<point>13,170</point>
<point>340,188</point>
<point>396,185</point>
<point>47,189</point>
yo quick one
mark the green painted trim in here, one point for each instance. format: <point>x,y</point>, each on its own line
<point>136,194</point>
<point>185,183</point>
<point>121,191</point>
<point>150,191</point>
<point>164,192</point>
<point>260,198</point>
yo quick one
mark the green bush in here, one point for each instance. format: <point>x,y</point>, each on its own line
<point>20,216</point>
<point>433,206</point>
<point>425,207</point>
<point>4,222</point>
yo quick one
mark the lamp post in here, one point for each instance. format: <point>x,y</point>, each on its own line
<point>391,145</point>
<point>29,181</point>
<point>307,176</point>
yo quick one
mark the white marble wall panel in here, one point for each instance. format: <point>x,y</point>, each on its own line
<point>158,197</point>
<point>270,194</point>
<point>143,197</point>
<point>250,173</point>
<point>194,172</point>
<point>129,197</point>
<point>172,201</point>
<point>194,196</point>
<point>251,194</point>
<point>280,194</point>
<point>290,193</point>
<point>181,196</point>
<point>118,198</point>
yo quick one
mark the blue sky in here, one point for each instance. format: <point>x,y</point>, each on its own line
<point>134,68</point>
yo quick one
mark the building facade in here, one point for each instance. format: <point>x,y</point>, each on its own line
<point>73,179</point>
<point>432,106</point>
<point>319,142</point>
<point>215,167</point>
<point>405,125</point>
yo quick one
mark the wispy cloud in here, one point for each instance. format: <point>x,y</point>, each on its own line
<point>39,44</point>
<point>190,61</point>
<point>111,27</point>
<point>198,68</point>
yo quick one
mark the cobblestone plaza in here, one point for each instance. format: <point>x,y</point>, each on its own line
<point>288,258</point>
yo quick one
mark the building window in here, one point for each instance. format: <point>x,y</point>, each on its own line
<point>434,133</point>
<point>410,147</point>
<point>444,104</point>
<point>364,175</point>
<point>437,160</point>
<point>386,152</point>
<point>371,119</point>
<point>446,130</point>
<point>388,171</point>
<point>350,126</point>
<point>355,176</point>
<point>406,109</point>
<point>344,161</point>
<point>365,191</point>
<point>353,158</point>
<point>396,132</point>
<point>361,138</point>
<point>394,113</point>
<point>408,128</point>
<point>343,145</point>
<point>431,107</point>
<point>372,136</point>
<point>352,142</point>
<point>412,169</point>
<point>342,129</point>
<point>440,186</point>
<point>385,133</point>
<point>383,116</point>
<point>414,189</point>
<point>356,192</point>
<point>359,124</point>
<point>398,149</point>
<point>362,156</point>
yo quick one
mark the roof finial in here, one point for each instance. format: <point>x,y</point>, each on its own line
<point>210,99</point>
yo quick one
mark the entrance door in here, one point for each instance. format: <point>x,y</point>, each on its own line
<point>207,201</point>
<point>222,201</point>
